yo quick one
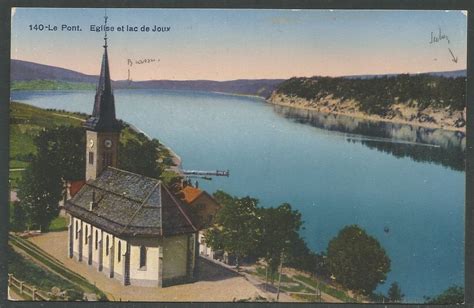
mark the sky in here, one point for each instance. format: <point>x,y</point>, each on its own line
<point>219,44</point>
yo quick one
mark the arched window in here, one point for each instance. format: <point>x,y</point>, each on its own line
<point>107,245</point>
<point>142,257</point>
<point>96,239</point>
<point>77,229</point>
<point>87,234</point>
<point>119,249</point>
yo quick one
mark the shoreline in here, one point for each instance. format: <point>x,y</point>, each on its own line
<point>174,157</point>
<point>374,118</point>
<point>184,90</point>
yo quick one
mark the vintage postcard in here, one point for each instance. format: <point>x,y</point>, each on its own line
<point>237,155</point>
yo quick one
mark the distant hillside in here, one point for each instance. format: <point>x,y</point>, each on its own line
<point>33,76</point>
<point>26,71</point>
<point>29,76</point>
<point>447,74</point>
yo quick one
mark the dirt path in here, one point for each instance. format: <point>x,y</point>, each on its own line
<point>269,292</point>
<point>69,116</point>
<point>215,283</point>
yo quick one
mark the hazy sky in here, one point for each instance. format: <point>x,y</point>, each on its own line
<point>237,44</point>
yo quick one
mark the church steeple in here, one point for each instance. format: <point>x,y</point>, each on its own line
<point>102,128</point>
<point>103,114</point>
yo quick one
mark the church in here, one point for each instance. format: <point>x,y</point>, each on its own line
<point>128,226</point>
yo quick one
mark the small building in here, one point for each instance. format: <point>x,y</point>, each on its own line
<point>126,225</point>
<point>204,208</point>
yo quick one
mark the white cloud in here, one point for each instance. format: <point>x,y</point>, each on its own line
<point>13,11</point>
<point>464,13</point>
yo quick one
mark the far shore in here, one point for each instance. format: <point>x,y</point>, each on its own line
<point>375,118</point>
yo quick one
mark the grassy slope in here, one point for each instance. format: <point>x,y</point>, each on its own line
<point>26,123</point>
<point>25,270</point>
<point>53,265</point>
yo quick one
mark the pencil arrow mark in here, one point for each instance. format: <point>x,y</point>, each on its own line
<point>454,59</point>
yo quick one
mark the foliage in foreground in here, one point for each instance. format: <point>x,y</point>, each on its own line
<point>357,260</point>
<point>243,228</point>
<point>236,229</point>
<point>59,158</point>
<point>140,157</point>
<point>394,293</point>
<point>453,295</point>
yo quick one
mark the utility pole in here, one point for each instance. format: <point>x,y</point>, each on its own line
<point>279,276</point>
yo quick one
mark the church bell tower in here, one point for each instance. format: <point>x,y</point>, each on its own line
<point>102,128</point>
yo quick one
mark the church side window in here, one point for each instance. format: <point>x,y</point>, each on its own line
<point>91,158</point>
<point>142,257</point>
<point>119,248</point>
<point>96,239</point>
<point>107,245</point>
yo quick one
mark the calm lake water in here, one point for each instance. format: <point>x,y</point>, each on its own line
<point>335,170</point>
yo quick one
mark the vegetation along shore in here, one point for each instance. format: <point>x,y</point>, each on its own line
<point>422,100</point>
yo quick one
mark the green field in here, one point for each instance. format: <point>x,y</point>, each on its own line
<point>25,124</point>
<point>27,121</point>
<point>50,85</point>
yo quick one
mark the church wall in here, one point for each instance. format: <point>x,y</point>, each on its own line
<point>96,237</point>
<point>106,252</point>
<point>148,275</point>
<point>86,231</point>
<point>118,268</point>
<point>175,251</point>
<point>76,225</point>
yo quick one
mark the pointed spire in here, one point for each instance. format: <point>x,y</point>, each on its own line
<point>105,28</point>
<point>103,114</point>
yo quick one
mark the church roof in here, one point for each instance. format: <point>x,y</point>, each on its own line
<point>129,204</point>
<point>103,114</point>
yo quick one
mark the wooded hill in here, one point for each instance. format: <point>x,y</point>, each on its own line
<point>376,95</point>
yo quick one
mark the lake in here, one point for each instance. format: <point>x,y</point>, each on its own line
<point>335,170</point>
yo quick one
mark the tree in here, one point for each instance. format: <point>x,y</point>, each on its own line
<point>357,260</point>
<point>59,157</point>
<point>453,295</point>
<point>279,231</point>
<point>236,228</point>
<point>18,221</point>
<point>395,293</point>
<point>140,157</point>
<point>40,191</point>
